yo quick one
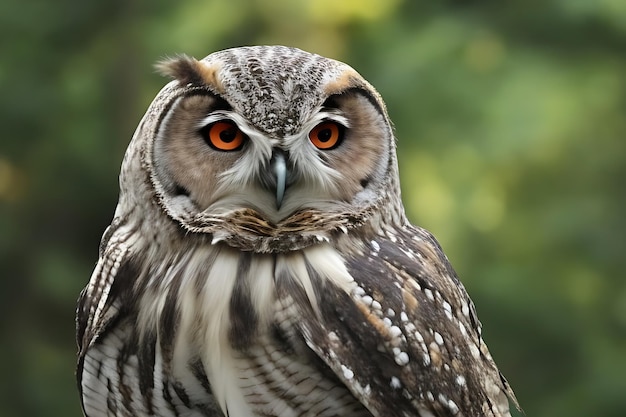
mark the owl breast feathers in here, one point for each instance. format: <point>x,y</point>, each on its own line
<point>260,263</point>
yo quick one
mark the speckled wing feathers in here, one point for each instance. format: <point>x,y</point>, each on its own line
<point>406,341</point>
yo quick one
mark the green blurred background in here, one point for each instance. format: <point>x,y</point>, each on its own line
<point>511,121</point>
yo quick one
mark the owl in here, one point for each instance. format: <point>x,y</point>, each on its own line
<point>260,263</point>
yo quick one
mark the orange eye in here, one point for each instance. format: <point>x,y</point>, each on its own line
<point>223,136</point>
<point>326,135</point>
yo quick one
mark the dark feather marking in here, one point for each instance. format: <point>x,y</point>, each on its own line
<point>243,317</point>
<point>331,102</point>
<point>204,270</point>
<point>169,319</point>
<point>281,339</point>
<point>123,388</point>
<point>82,318</point>
<point>167,396</point>
<point>99,372</point>
<point>146,358</point>
<point>181,393</point>
<point>211,407</point>
<point>325,159</point>
<point>316,281</point>
<point>115,224</point>
<point>180,190</point>
<point>111,401</point>
<point>287,286</point>
<point>197,369</point>
<point>121,289</point>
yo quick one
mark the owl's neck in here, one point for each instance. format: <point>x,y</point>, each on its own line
<point>225,300</point>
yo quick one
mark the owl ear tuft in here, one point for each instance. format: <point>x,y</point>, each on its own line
<point>183,68</point>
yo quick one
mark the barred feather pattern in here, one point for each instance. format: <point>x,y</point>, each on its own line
<point>386,331</point>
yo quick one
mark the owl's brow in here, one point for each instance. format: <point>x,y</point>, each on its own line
<point>332,101</point>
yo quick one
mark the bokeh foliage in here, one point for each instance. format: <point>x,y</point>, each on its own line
<point>511,123</point>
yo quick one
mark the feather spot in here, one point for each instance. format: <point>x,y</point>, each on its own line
<point>438,338</point>
<point>419,337</point>
<point>430,396</point>
<point>358,291</point>
<point>375,247</point>
<point>410,328</point>
<point>347,372</point>
<point>401,358</point>
<point>448,309</point>
<point>465,309</point>
<point>454,409</point>
<point>395,383</point>
<point>435,355</point>
<point>367,300</point>
<point>474,350</point>
<point>395,331</point>
<point>462,329</point>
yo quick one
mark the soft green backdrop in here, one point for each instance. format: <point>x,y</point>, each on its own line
<point>511,117</point>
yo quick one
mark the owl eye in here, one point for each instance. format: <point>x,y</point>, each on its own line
<point>223,136</point>
<point>326,135</point>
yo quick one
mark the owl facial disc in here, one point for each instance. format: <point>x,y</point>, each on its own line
<point>269,149</point>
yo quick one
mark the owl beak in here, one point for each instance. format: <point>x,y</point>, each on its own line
<point>279,169</point>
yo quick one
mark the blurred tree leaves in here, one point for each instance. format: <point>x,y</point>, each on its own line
<point>511,122</point>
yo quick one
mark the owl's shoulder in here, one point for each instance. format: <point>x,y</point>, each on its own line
<point>406,337</point>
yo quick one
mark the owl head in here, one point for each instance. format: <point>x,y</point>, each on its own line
<point>266,148</point>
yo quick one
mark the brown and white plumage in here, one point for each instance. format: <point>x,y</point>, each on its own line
<point>278,277</point>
